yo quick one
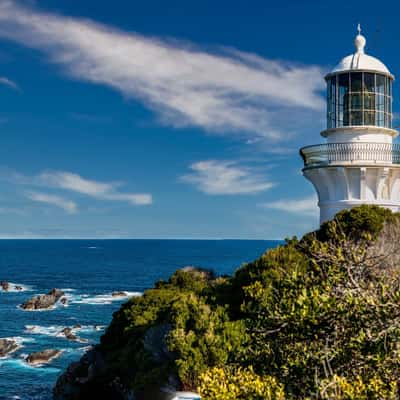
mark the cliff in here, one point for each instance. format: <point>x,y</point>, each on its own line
<point>316,318</point>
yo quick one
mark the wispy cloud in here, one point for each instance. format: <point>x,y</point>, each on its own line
<point>73,182</point>
<point>225,178</point>
<point>67,205</point>
<point>9,83</point>
<point>98,190</point>
<point>307,206</point>
<point>221,91</point>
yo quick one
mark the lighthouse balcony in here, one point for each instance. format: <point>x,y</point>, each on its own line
<point>350,153</point>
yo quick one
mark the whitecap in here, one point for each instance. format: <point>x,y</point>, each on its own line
<point>100,299</point>
<point>20,363</point>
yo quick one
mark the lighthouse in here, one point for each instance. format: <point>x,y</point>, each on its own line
<point>358,163</point>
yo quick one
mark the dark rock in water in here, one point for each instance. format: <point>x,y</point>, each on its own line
<point>70,335</point>
<point>5,286</point>
<point>119,294</point>
<point>19,288</point>
<point>64,301</point>
<point>7,346</point>
<point>42,357</point>
<point>67,332</point>
<point>43,301</point>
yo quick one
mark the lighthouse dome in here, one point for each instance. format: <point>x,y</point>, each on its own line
<point>359,60</point>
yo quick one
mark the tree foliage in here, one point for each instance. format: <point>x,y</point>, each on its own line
<point>316,318</point>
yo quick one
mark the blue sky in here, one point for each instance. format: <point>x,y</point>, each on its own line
<point>168,119</point>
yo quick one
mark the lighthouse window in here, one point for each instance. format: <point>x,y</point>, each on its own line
<point>369,101</point>
<point>380,102</point>
<point>359,98</point>
<point>369,117</point>
<point>369,82</point>
<point>380,84</point>
<point>356,101</point>
<point>356,118</point>
<point>356,82</point>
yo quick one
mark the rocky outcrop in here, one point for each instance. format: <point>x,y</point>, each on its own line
<point>119,294</point>
<point>5,286</point>
<point>70,335</point>
<point>44,301</point>
<point>7,346</point>
<point>42,357</point>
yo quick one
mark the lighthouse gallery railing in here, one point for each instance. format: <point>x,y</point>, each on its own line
<point>334,153</point>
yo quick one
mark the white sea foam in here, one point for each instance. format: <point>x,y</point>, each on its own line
<point>100,299</point>
<point>13,288</point>
<point>56,330</point>
<point>20,363</point>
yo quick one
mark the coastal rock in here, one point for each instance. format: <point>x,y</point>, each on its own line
<point>119,294</point>
<point>19,288</point>
<point>70,335</point>
<point>43,357</point>
<point>5,286</point>
<point>7,346</point>
<point>64,301</point>
<point>44,301</point>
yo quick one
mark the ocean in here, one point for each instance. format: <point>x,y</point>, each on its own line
<point>88,271</point>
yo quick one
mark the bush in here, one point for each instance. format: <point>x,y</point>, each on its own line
<point>317,318</point>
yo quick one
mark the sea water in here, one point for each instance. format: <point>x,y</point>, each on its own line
<point>88,271</point>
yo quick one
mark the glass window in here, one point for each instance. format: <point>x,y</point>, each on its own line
<point>369,117</point>
<point>380,119</point>
<point>380,102</point>
<point>380,84</point>
<point>356,101</point>
<point>389,86</point>
<point>356,118</point>
<point>369,101</point>
<point>369,82</point>
<point>356,81</point>
<point>343,87</point>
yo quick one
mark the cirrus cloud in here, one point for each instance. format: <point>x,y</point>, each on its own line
<point>225,178</point>
<point>222,91</point>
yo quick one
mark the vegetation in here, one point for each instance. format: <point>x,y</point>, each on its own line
<point>316,318</point>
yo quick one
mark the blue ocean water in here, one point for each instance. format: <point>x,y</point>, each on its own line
<point>89,271</point>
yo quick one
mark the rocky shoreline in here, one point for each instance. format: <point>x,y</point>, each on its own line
<point>43,301</point>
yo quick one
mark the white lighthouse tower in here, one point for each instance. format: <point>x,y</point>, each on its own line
<point>359,163</point>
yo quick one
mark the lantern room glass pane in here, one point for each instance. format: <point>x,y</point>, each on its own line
<point>356,118</point>
<point>356,101</point>
<point>369,117</point>
<point>356,81</point>
<point>380,119</point>
<point>380,84</point>
<point>369,101</point>
<point>369,82</point>
<point>343,87</point>
<point>380,102</point>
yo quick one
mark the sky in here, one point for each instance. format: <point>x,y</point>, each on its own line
<point>178,119</point>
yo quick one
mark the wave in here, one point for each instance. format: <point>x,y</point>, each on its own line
<point>20,363</point>
<point>56,330</point>
<point>101,299</point>
<point>16,288</point>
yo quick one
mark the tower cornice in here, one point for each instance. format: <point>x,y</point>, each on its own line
<point>360,129</point>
